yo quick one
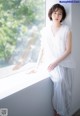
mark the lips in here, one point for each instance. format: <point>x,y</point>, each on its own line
<point>56,19</point>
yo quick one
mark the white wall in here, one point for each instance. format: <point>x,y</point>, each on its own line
<point>76,43</point>
<point>34,100</point>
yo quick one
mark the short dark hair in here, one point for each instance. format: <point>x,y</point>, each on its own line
<point>53,8</point>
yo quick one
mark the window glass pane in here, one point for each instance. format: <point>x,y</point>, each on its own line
<point>20,25</point>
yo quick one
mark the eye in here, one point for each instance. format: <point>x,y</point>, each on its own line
<point>54,12</point>
<point>60,14</point>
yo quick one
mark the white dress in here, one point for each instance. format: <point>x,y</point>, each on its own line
<point>61,76</point>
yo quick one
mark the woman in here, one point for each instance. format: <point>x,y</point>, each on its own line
<point>56,47</point>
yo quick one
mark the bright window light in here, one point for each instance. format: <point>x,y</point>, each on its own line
<point>20,25</point>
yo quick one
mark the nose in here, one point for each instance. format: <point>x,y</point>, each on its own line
<point>57,15</point>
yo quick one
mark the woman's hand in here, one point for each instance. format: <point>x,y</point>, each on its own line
<point>32,70</point>
<point>52,66</point>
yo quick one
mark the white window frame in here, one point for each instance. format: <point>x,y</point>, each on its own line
<point>14,81</point>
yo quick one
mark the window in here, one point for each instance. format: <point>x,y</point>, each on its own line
<point>20,25</point>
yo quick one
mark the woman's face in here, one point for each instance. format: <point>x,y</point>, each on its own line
<point>57,15</point>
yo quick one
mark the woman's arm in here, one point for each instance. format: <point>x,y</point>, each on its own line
<point>66,53</point>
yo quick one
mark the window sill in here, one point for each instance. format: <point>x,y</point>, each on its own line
<point>15,82</point>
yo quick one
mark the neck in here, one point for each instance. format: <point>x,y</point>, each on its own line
<point>56,25</point>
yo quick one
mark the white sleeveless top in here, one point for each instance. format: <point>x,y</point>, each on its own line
<point>54,46</point>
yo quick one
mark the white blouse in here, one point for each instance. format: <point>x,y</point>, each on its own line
<point>54,45</point>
